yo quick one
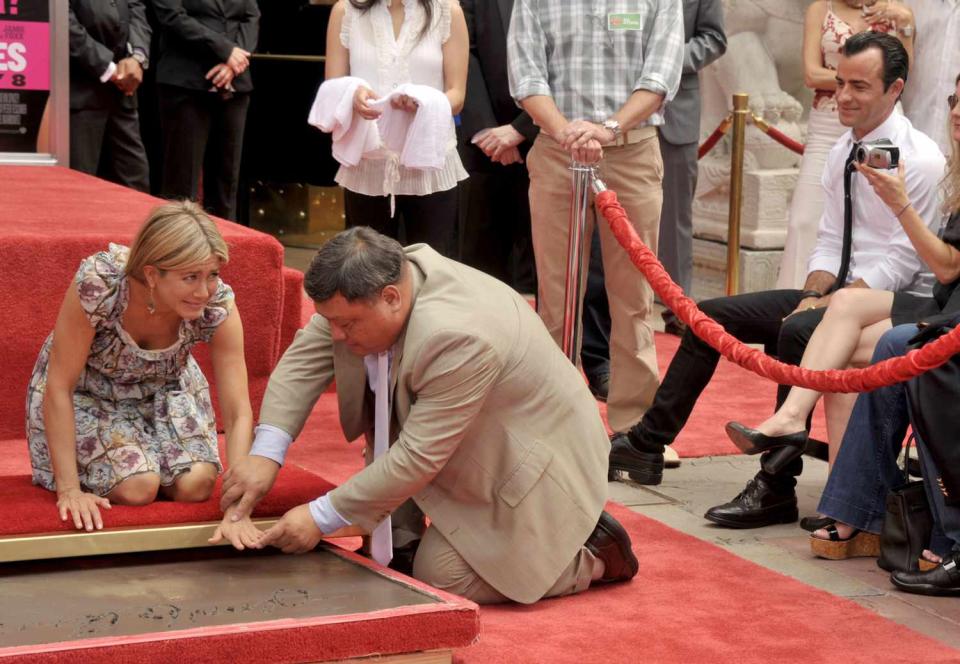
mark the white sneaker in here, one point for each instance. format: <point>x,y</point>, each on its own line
<point>670,457</point>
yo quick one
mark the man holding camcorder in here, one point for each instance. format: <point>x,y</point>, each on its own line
<point>860,244</point>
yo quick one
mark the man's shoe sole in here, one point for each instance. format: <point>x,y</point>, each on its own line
<point>622,538</point>
<point>649,474</point>
<point>925,588</point>
<point>774,516</point>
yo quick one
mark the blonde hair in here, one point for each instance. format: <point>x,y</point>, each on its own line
<point>175,236</point>
<point>951,181</point>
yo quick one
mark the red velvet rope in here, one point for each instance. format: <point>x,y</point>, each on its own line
<point>780,137</point>
<point>715,137</point>
<point>885,373</point>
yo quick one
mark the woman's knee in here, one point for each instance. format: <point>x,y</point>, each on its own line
<point>196,485</point>
<point>139,489</point>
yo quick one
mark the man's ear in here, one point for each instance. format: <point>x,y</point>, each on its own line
<point>392,297</point>
<point>896,87</point>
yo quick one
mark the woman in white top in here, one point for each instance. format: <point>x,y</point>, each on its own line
<point>388,43</point>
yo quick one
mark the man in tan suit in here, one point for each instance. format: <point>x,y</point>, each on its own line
<point>495,436</point>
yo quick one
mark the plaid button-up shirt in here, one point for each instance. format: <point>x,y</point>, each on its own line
<point>591,55</point>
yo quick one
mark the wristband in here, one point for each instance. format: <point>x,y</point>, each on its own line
<point>902,210</point>
<point>810,293</point>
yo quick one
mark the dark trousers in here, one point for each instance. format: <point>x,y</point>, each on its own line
<point>595,348</point>
<point>106,143</point>
<point>675,245</point>
<point>752,318</point>
<point>495,225</point>
<point>202,134</point>
<point>431,219</point>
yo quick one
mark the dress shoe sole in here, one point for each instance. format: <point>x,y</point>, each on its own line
<point>925,588</point>
<point>647,477</point>
<point>862,545</point>
<point>768,517</point>
<point>622,538</point>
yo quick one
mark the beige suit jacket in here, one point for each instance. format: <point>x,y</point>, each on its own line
<point>500,443</point>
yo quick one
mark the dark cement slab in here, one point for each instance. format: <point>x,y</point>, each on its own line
<point>69,599</point>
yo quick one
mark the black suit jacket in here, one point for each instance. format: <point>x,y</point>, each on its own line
<point>488,102</point>
<point>100,33</point>
<point>196,35</point>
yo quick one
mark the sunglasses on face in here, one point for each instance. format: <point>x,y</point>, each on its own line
<point>952,101</point>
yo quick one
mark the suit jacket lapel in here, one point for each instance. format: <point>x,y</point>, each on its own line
<point>417,277</point>
<point>505,7</point>
<point>356,416</point>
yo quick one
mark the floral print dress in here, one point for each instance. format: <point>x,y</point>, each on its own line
<point>136,410</point>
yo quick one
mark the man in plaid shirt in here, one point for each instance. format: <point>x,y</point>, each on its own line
<point>595,75</point>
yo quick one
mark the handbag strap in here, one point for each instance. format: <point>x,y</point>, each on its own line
<point>911,440</point>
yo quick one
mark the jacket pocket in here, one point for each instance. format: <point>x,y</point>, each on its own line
<point>525,474</point>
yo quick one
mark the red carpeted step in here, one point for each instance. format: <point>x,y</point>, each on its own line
<point>29,509</point>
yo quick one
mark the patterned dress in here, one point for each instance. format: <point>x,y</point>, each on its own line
<point>136,410</point>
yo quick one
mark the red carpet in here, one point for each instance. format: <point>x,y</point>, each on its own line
<point>694,602</point>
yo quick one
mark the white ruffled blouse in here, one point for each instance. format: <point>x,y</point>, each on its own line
<point>387,62</point>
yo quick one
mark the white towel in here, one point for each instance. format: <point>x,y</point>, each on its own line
<point>421,139</point>
<point>332,111</point>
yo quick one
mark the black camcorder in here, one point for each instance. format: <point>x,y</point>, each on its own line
<point>880,153</point>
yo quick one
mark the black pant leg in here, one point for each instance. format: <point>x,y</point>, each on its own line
<point>185,125</point>
<point>87,127</point>
<point>124,157</point>
<point>431,219</point>
<point>372,211</point>
<point>595,349</point>
<point>482,244</point>
<point>751,318</point>
<point>221,163</point>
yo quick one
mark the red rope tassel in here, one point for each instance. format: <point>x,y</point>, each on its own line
<point>715,137</point>
<point>777,135</point>
<point>883,374</point>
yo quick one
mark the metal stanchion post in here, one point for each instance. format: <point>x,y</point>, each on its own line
<point>576,234</point>
<point>740,113</point>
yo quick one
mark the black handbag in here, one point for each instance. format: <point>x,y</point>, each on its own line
<point>907,526</point>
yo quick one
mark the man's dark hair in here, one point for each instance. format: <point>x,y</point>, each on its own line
<point>896,62</point>
<point>357,263</point>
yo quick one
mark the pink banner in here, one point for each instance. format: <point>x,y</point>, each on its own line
<point>24,55</point>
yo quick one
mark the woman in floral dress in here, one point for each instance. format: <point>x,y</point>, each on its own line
<point>118,410</point>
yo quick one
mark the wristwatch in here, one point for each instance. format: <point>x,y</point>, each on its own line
<point>614,126</point>
<point>141,59</point>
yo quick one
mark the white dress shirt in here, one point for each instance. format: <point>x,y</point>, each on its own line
<point>881,253</point>
<point>273,443</point>
<point>936,63</point>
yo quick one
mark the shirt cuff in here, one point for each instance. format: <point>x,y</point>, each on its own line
<point>271,442</point>
<point>530,88</point>
<point>111,70</point>
<point>829,264</point>
<point>325,516</point>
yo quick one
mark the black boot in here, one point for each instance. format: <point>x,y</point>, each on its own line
<point>754,507</point>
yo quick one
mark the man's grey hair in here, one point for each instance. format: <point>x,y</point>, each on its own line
<point>357,263</point>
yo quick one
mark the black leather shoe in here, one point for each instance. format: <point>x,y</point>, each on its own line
<point>599,384</point>
<point>641,467</point>
<point>944,579</point>
<point>754,507</point>
<point>403,556</point>
<point>610,543</point>
<point>751,441</point>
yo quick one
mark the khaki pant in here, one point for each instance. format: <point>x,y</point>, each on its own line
<point>439,564</point>
<point>635,173</point>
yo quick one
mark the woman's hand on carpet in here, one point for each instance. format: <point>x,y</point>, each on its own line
<point>83,507</point>
<point>295,532</point>
<point>242,533</point>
